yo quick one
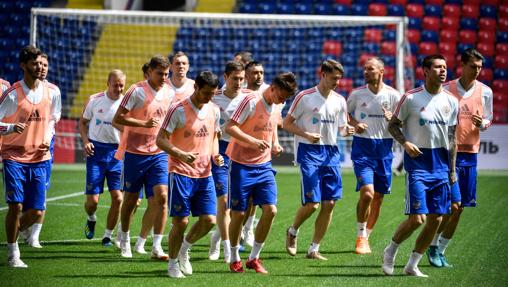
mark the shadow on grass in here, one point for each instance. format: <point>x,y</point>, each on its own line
<point>337,275</point>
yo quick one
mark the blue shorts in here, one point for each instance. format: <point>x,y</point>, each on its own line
<point>25,183</point>
<point>98,169</point>
<point>257,181</point>
<point>427,194</point>
<point>144,171</point>
<point>220,177</point>
<point>374,171</point>
<point>50,162</point>
<point>196,195</point>
<point>464,190</point>
<point>319,183</point>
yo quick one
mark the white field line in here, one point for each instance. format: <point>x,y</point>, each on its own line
<point>53,198</point>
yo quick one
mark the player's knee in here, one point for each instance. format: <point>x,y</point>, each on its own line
<point>312,206</point>
<point>39,213</point>
<point>208,220</point>
<point>417,220</point>
<point>180,222</point>
<point>270,211</point>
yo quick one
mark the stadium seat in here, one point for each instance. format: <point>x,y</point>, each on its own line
<point>461,47</point>
<point>488,11</point>
<point>389,59</point>
<point>413,35</point>
<point>447,35</point>
<point>323,9</point>
<point>470,11</point>
<point>427,48</point>
<point>398,2</point>
<point>451,10</point>
<point>433,10</point>
<point>447,48</point>
<point>468,23</point>
<point>364,57</point>
<point>451,60</point>
<point>451,23</point>
<point>499,86</point>
<point>388,48</point>
<point>490,2</point>
<point>502,37</point>
<point>413,47</point>
<point>421,2</point>
<point>396,10</point>
<point>339,9</point>
<point>411,60</point>
<point>415,23</point>
<point>501,62</point>
<point>371,48</point>
<point>502,48</point>
<point>502,11</point>
<point>501,74</point>
<point>467,36</point>
<point>389,73</point>
<point>434,2</point>
<point>488,62</point>
<point>284,8</point>
<point>344,2</point>
<point>389,35</point>
<point>414,10</point>
<point>429,36</point>
<point>486,75</point>
<point>376,9</point>
<point>486,36</point>
<point>359,9</point>
<point>303,8</point>
<point>373,35</point>
<point>488,24</point>
<point>267,8</point>
<point>502,24</point>
<point>248,8</point>
<point>346,84</point>
<point>431,23</point>
<point>419,73</point>
<point>331,47</point>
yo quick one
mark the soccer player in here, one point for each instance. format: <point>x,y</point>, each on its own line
<point>428,117</point>
<point>370,109</point>
<point>183,86</point>
<point>189,135</point>
<point>253,131</point>
<point>234,75</point>
<point>100,141</point>
<point>475,115</point>
<point>316,116</point>
<point>31,234</point>
<point>244,57</point>
<point>141,112</point>
<point>28,110</point>
<point>255,76</point>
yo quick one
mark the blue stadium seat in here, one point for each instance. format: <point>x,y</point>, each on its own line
<point>349,47</point>
<point>429,36</point>
<point>414,48</point>
<point>389,35</point>
<point>360,9</point>
<point>389,60</point>
<point>284,8</point>
<point>396,10</point>
<point>338,9</point>
<point>488,62</point>
<point>488,11</point>
<point>433,10</point>
<point>372,48</point>
<point>349,59</point>
<point>502,37</point>
<point>267,8</point>
<point>461,47</point>
<point>500,74</point>
<point>323,9</point>
<point>416,2</point>
<point>415,23</point>
<point>468,24</point>
<point>303,8</point>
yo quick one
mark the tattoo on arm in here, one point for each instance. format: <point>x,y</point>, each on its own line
<point>453,147</point>
<point>394,128</point>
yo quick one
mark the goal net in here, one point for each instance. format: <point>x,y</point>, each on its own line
<point>84,45</point>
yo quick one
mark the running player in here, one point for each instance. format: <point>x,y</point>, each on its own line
<point>189,135</point>
<point>234,75</point>
<point>145,165</point>
<point>316,116</point>
<point>428,117</point>
<point>100,142</point>
<point>253,131</point>
<point>183,86</point>
<point>28,110</point>
<point>475,115</point>
<point>370,108</point>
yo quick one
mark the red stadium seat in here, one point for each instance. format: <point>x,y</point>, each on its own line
<point>470,11</point>
<point>502,24</point>
<point>451,23</point>
<point>413,35</point>
<point>414,10</point>
<point>451,10</point>
<point>500,114</point>
<point>490,2</point>
<point>431,23</point>
<point>487,24</point>
<point>486,49</point>
<point>451,60</point>
<point>502,11</point>
<point>373,35</point>
<point>332,48</point>
<point>471,2</point>
<point>389,73</point>
<point>467,37</point>
<point>376,9</point>
<point>485,36</point>
<point>447,35</point>
<point>411,60</point>
<point>458,71</point>
<point>388,48</point>
<point>398,2</point>
<point>502,48</point>
<point>346,84</point>
<point>501,61</point>
<point>419,74</point>
<point>447,48</point>
<point>343,2</point>
<point>499,86</point>
<point>486,75</point>
<point>427,48</point>
<point>434,2</point>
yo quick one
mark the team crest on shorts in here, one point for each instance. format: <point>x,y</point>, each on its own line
<point>308,194</point>
<point>177,207</point>
<point>89,186</point>
<point>235,202</point>
<point>127,184</point>
<point>9,192</point>
<point>417,204</point>
<point>218,185</point>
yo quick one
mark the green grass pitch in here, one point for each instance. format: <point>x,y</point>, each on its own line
<point>478,251</point>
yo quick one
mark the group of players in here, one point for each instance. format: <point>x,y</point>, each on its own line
<point>217,144</point>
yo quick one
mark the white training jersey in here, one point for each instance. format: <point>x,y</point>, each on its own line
<point>487,100</point>
<point>426,118</point>
<point>223,102</point>
<point>100,111</point>
<point>366,107</point>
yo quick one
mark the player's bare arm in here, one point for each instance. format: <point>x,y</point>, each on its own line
<point>359,127</point>
<point>290,126</point>
<point>83,131</point>
<point>394,129</point>
<point>164,144</point>
<point>453,152</point>
<point>121,118</point>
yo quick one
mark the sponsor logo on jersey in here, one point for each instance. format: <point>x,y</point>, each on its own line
<point>266,128</point>
<point>100,111</point>
<point>363,105</point>
<point>431,122</point>
<point>35,116</point>
<point>203,132</point>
